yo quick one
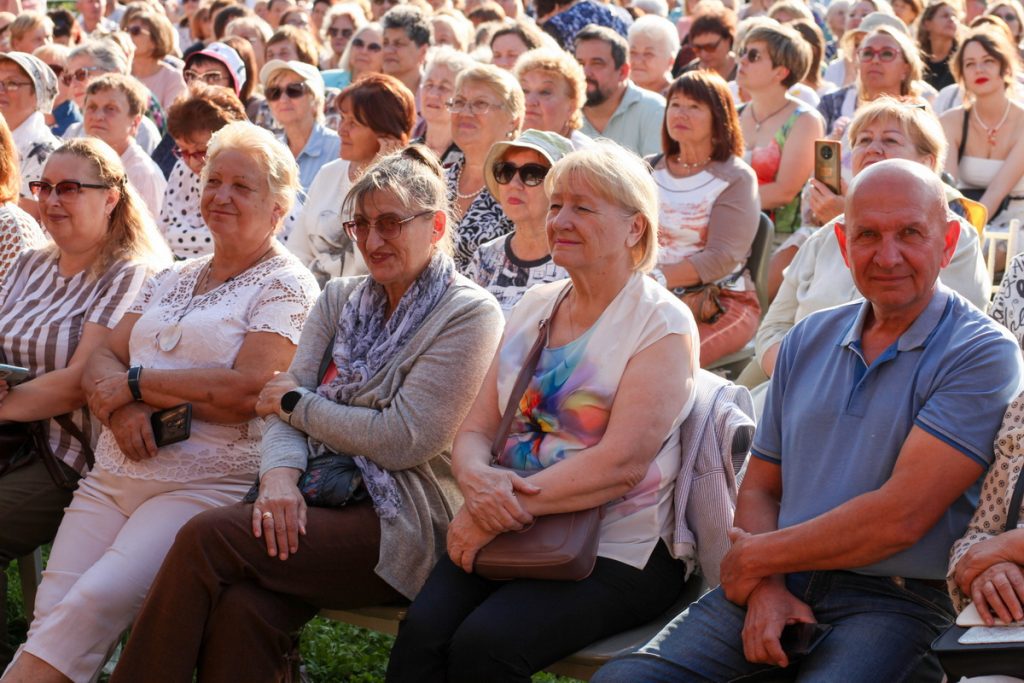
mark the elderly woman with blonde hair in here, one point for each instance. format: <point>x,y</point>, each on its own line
<point>200,341</point>
<point>597,425</point>
<point>487,107</point>
<point>554,90</point>
<point>374,356</point>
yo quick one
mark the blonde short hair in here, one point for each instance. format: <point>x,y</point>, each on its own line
<point>503,83</point>
<point>911,56</point>
<point>274,159</point>
<point>27,22</point>
<point>618,176</point>
<point>917,123</point>
<point>563,64</point>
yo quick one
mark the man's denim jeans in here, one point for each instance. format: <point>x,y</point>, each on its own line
<point>881,632</point>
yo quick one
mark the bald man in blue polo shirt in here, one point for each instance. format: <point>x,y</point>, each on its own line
<point>865,468</point>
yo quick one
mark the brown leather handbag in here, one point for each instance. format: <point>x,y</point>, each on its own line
<point>558,547</point>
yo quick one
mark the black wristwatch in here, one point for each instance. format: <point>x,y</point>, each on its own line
<point>134,374</point>
<point>291,399</point>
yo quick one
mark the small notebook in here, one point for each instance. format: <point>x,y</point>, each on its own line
<point>970,617</point>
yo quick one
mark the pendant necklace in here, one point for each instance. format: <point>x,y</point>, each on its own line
<point>758,122</point>
<point>170,334</point>
<point>994,130</point>
<point>694,165</point>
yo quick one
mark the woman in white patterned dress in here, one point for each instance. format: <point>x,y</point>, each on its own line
<point>210,332</point>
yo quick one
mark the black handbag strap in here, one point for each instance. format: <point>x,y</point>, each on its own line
<point>963,135</point>
<point>525,374</point>
<point>325,362</point>
<point>1013,512</point>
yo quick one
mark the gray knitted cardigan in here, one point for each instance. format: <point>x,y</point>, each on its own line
<point>403,419</point>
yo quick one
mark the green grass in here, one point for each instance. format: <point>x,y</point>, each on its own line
<point>332,652</point>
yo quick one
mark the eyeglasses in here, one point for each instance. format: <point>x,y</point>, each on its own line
<point>532,175</point>
<point>66,189</point>
<point>752,54</point>
<point>210,77</point>
<point>79,75</point>
<point>342,32</point>
<point>293,90</point>
<point>387,226</point>
<point>476,107</point>
<point>885,54</point>
<point>706,47</point>
<point>137,30</point>
<point>57,69</point>
<point>372,47</point>
<point>13,86</point>
<point>199,156</point>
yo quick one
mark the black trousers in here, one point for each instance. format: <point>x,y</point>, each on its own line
<point>462,627</point>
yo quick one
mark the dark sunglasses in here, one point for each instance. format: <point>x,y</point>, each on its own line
<point>532,175</point>
<point>752,54</point>
<point>66,188</point>
<point>343,32</point>
<point>706,47</point>
<point>79,75</point>
<point>293,90</point>
<point>372,47</point>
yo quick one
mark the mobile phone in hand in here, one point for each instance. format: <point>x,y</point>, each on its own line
<point>171,425</point>
<point>827,169</point>
<point>798,640</point>
<point>13,374</point>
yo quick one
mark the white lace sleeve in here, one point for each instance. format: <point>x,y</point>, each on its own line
<point>150,290</point>
<point>284,302</point>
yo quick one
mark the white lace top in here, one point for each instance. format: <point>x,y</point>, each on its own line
<point>274,296</point>
<point>18,232</point>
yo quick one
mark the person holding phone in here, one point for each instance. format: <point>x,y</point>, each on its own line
<point>59,303</point>
<point>210,332</point>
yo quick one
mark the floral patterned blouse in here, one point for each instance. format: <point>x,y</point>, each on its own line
<point>990,517</point>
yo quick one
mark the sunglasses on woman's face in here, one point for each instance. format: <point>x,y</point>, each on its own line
<point>339,32</point>
<point>372,47</point>
<point>80,75</point>
<point>293,90</point>
<point>531,174</point>
<point>752,54</point>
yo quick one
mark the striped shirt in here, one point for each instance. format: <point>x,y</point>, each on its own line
<point>42,315</point>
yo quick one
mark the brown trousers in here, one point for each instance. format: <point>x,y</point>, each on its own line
<point>222,606</point>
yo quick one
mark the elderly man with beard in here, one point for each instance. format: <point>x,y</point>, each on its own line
<point>616,107</point>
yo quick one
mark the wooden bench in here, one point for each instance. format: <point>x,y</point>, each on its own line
<point>581,665</point>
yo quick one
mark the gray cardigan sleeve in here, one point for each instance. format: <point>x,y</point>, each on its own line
<point>437,383</point>
<point>733,223</point>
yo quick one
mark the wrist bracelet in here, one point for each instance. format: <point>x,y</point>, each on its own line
<point>134,374</point>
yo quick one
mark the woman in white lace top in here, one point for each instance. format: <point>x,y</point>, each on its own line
<point>209,332</point>
<point>18,230</point>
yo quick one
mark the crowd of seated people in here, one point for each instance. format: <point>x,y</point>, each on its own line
<point>333,231</point>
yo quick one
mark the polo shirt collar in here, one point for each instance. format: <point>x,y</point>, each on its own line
<point>315,144</point>
<point>917,334</point>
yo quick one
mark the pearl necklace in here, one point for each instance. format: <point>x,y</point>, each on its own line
<point>690,167</point>
<point>458,180</point>
<point>991,133</point>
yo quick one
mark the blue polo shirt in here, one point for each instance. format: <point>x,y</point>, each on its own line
<point>836,425</point>
<point>322,148</point>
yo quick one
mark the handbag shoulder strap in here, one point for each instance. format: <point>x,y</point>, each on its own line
<point>325,362</point>
<point>963,135</point>
<point>523,380</point>
<point>1013,512</point>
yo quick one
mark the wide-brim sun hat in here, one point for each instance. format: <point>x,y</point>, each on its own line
<point>551,146</point>
<point>869,24</point>
<point>226,55</point>
<point>307,72</point>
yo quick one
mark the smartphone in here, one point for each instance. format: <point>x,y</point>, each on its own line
<point>13,374</point>
<point>172,425</point>
<point>827,155</point>
<point>798,640</point>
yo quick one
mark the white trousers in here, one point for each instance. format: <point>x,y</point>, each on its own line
<point>111,543</point>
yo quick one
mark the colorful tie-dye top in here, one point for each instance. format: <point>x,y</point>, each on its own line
<point>565,408</point>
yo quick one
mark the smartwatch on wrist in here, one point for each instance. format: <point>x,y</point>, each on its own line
<point>134,374</point>
<point>291,399</point>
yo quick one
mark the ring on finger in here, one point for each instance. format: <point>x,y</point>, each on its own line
<point>268,515</point>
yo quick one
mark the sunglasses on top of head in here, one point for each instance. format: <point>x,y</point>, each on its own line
<point>531,174</point>
<point>293,90</point>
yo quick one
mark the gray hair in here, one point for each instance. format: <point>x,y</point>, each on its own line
<point>657,28</point>
<point>103,54</point>
<point>448,57</point>
<point>410,19</point>
<point>415,178</point>
<point>270,154</point>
